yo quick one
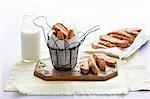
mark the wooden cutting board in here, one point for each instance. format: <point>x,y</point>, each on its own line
<point>45,71</point>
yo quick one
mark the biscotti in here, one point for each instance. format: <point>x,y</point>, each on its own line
<point>92,65</point>
<point>123,33</point>
<point>133,31</point>
<point>96,63</point>
<point>70,34</point>
<point>117,42</point>
<point>101,64</point>
<point>84,67</point>
<point>96,46</point>
<point>108,44</point>
<point>61,32</point>
<point>109,62</point>
<point>121,39</point>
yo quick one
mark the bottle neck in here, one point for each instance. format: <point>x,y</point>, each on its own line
<point>28,24</point>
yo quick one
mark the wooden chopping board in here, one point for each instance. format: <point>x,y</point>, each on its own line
<point>45,71</point>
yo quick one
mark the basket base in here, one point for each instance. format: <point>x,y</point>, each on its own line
<point>63,69</point>
<point>45,71</point>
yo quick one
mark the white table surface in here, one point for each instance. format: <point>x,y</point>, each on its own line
<point>110,15</point>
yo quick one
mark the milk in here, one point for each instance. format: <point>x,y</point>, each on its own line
<point>30,45</point>
<point>30,39</point>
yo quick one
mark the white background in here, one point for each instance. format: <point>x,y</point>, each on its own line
<point>80,14</point>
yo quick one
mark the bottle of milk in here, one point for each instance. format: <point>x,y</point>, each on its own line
<point>30,39</point>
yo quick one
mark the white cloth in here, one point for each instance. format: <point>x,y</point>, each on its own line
<point>132,77</point>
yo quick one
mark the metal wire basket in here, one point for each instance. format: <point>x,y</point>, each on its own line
<point>63,59</point>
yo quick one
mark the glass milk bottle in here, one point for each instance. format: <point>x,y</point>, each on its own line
<point>30,39</point>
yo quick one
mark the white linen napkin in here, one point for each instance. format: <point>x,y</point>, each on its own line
<point>132,77</point>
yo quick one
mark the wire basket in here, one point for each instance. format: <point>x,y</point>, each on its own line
<point>63,59</point>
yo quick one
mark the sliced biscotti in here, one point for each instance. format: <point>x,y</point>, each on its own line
<point>96,63</point>
<point>108,44</point>
<point>108,61</point>
<point>96,45</point>
<point>84,67</point>
<point>123,33</point>
<point>70,34</point>
<point>117,42</point>
<point>133,31</point>
<point>101,63</point>
<point>121,37</point>
<point>60,31</point>
<point>92,65</point>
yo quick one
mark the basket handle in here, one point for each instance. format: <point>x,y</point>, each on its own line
<point>41,22</point>
<point>93,29</point>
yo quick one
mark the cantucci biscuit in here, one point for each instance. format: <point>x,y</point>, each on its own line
<point>92,65</point>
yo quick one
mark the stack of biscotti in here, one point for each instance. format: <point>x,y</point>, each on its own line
<point>61,32</point>
<point>96,63</point>
<point>122,38</point>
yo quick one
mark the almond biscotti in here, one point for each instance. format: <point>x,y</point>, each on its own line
<point>117,42</point>
<point>108,61</point>
<point>61,32</point>
<point>133,31</point>
<point>92,65</point>
<point>84,67</point>
<point>96,63</point>
<point>123,33</point>
<point>122,38</point>
<point>96,46</point>
<point>108,44</point>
